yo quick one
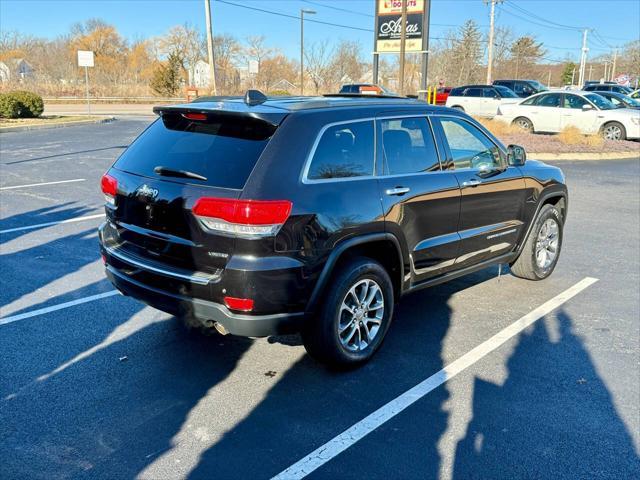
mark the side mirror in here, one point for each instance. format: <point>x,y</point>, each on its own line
<point>587,107</point>
<point>516,155</point>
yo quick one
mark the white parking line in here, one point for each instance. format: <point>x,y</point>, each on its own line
<point>346,439</point>
<point>53,308</point>
<point>48,224</point>
<point>43,184</point>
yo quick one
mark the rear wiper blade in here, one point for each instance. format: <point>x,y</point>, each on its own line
<point>170,172</point>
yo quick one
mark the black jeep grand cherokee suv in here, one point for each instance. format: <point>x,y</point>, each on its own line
<point>263,216</point>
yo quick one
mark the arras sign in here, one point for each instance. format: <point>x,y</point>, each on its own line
<point>389,25</point>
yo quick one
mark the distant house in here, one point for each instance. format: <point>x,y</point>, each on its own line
<point>283,85</point>
<point>15,69</point>
<point>199,76</point>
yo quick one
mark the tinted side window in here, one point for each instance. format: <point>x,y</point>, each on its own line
<point>530,101</point>
<point>490,93</point>
<point>455,92</point>
<point>344,151</point>
<point>473,92</point>
<point>574,101</point>
<point>408,146</point>
<point>549,100</point>
<point>469,147</point>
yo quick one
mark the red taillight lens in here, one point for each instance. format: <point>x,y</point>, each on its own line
<point>240,304</point>
<point>243,217</point>
<point>109,188</point>
<point>195,116</point>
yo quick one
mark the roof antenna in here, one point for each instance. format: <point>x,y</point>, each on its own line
<point>254,97</point>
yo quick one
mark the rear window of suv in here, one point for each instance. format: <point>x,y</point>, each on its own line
<point>223,149</point>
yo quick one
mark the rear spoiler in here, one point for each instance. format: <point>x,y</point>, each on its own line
<point>225,108</point>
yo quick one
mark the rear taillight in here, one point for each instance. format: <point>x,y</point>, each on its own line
<point>240,304</point>
<point>248,218</point>
<point>109,188</point>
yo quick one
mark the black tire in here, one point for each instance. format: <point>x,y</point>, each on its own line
<point>321,336</point>
<point>523,123</point>
<point>527,265</point>
<point>613,131</point>
<point>458,107</point>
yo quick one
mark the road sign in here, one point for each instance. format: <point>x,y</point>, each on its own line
<point>85,58</point>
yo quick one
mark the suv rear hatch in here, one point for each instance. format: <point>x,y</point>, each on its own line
<point>190,153</point>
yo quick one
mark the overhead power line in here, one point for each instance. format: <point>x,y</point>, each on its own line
<point>296,17</point>
<point>512,4</point>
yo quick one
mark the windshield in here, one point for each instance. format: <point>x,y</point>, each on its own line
<point>505,92</point>
<point>599,101</point>
<point>538,86</point>
<point>631,102</point>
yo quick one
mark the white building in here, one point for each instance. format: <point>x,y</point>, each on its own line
<point>15,69</point>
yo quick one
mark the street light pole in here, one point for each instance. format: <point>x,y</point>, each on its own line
<point>403,39</point>
<point>212,70</point>
<point>491,39</point>
<point>302,12</point>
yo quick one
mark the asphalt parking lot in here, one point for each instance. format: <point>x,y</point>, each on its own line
<point>96,385</point>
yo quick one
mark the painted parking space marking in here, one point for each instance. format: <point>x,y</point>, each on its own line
<point>349,437</point>
<point>43,184</point>
<point>60,306</point>
<point>48,224</point>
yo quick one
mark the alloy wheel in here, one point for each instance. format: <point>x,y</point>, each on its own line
<point>360,316</point>
<point>547,244</point>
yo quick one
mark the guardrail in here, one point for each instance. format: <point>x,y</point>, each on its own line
<point>74,99</point>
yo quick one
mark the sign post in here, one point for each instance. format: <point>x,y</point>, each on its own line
<point>85,59</point>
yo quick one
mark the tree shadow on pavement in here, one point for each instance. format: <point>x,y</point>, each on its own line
<point>107,390</point>
<point>553,417</point>
<point>57,213</point>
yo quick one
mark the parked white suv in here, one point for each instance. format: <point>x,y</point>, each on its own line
<point>587,111</point>
<point>480,100</point>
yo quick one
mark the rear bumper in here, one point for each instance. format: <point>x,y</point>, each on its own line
<point>206,312</point>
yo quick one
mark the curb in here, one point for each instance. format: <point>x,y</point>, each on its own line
<point>23,128</point>
<point>588,156</point>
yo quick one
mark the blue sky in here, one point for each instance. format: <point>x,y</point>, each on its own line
<point>615,21</point>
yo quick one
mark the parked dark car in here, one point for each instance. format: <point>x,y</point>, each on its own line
<point>620,100</point>
<point>265,216</point>
<point>522,88</point>
<point>365,89</point>
<point>607,87</point>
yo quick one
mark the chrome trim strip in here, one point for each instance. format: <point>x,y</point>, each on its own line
<point>198,279</point>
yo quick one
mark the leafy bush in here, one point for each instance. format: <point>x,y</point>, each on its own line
<point>9,106</point>
<point>21,104</point>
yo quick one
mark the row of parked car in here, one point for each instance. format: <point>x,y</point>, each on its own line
<point>609,109</point>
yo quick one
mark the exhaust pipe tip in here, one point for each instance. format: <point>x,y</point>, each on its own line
<point>220,328</point>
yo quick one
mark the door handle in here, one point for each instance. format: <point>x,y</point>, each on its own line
<point>474,182</point>
<point>397,191</point>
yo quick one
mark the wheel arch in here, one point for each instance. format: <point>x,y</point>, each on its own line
<point>382,247</point>
<point>556,198</point>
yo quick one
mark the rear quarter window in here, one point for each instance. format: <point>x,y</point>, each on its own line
<point>223,149</point>
<point>343,151</point>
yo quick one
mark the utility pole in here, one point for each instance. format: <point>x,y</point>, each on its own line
<point>403,38</point>
<point>613,67</point>
<point>491,39</point>
<point>212,70</point>
<point>583,58</point>
<point>302,12</point>
<point>549,80</point>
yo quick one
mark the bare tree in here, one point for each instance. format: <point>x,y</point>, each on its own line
<point>184,41</point>
<point>317,62</point>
